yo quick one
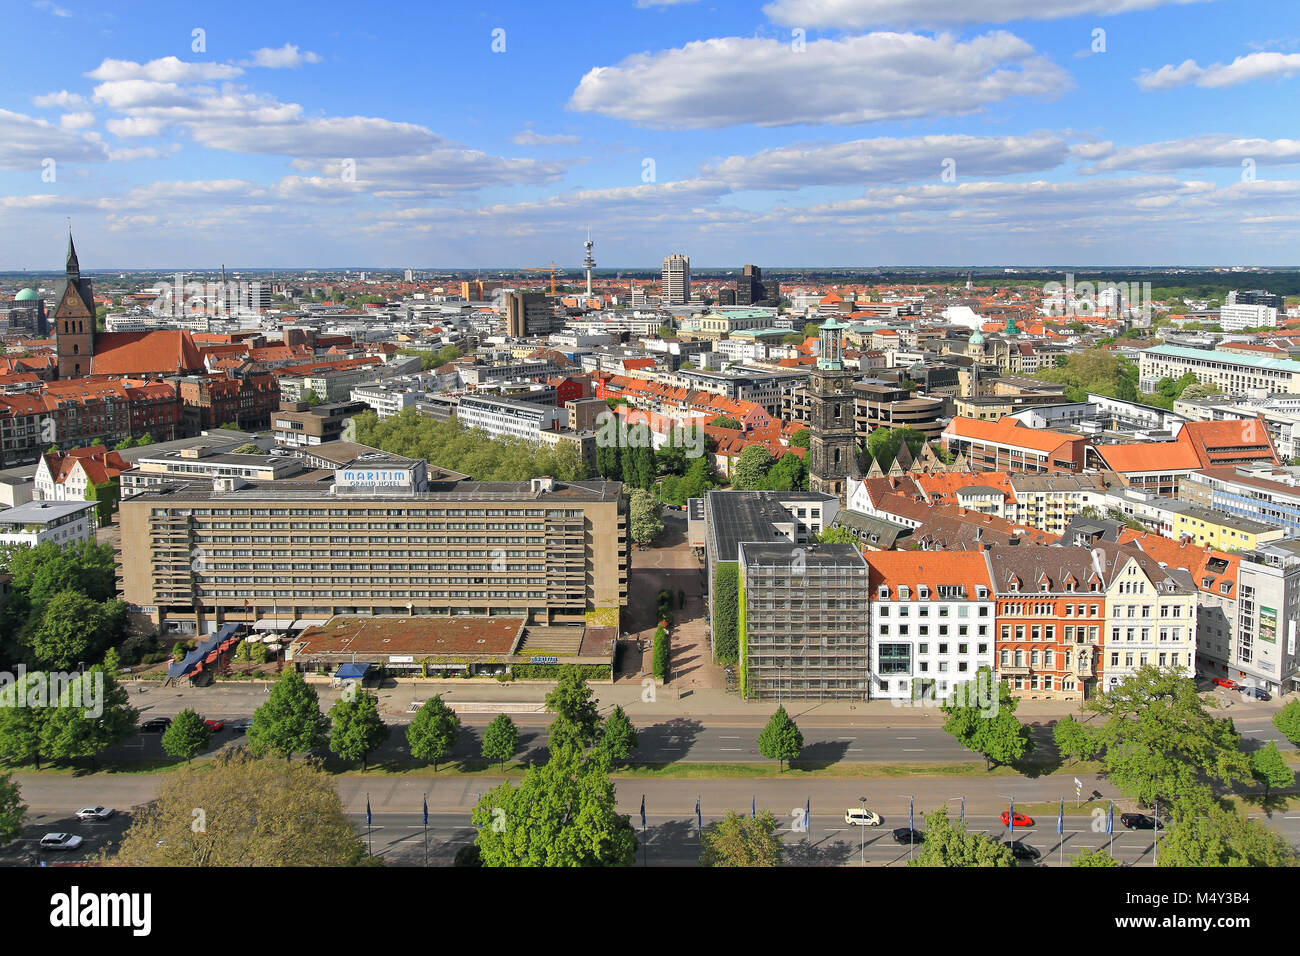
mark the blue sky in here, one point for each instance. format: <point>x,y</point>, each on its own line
<point>786,133</point>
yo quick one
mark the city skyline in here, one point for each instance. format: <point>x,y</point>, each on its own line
<point>789,133</point>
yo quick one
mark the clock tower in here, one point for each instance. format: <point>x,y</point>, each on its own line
<point>74,320</point>
<point>832,433</point>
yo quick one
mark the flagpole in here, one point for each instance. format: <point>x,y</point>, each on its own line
<point>426,828</point>
<point>370,846</point>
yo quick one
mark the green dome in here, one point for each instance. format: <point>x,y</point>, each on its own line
<point>27,295</point>
<point>977,338</point>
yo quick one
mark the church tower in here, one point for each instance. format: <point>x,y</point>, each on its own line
<point>832,434</point>
<point>74,320</point>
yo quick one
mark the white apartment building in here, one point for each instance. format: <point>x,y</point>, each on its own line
<point>1233,373</point>
<point>932,623</point>
<point>1150,616</point>
<point>1233,318</point>
<point>388,399</point>
<point>502,416</point>
<point>677,279</point>
<point>62,522</point>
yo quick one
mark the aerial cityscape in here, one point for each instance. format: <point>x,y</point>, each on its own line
<point>791,434</point>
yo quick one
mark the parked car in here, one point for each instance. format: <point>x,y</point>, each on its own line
<point>1255,693</point>
<point>155,726</point>
<point>1138,821</point>
<point>242,726</point>
<point>95,813</point>
<point>215,725</point>
<point>60,841</point>
<point>905,836</point>
<point>1021,820</point>
<point>856,816</point>
<point>1022,851</point>
<point>1226,682</point>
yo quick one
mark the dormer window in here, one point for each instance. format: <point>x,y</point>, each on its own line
<point>923,592</point>
<point>883,592</point>
<point>982,593</point>
<point>903,592</point>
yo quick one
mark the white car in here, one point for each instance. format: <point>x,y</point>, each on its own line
<point>858,817</point>
<point>60,841</point>
<point>95,813</point>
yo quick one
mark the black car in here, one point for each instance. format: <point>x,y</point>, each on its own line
<point>907,836</point>
<point>1138,821</point>
<point>155,726</point>
<point>1257,693</point>
<point>1022,851</point>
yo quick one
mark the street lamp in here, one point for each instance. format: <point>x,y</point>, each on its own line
<point>962,816</point>
<point>911,826</point>
<point>863,849</point>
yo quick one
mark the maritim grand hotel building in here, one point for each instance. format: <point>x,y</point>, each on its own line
<point>378,536</point>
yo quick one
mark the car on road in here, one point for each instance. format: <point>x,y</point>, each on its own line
<point>95,813</point>
<point>1022,851</point>
<point>242,726</point>
<point>1226,682</point>
<point>1138,821</point>
<point>155,726</point>
<point>856,816</point>
<point>904,835</point>
<point>1021,820</point>
<point>214,725</point>
<point>1255,693</point>
<point>60,841</point>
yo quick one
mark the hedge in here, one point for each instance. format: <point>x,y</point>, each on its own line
<point>660,665</point>
<point>552,671</point>
<point>726,584</point>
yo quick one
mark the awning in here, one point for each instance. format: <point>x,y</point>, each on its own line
<point>304,624</point>
<point>273,624</point>
<point>351,672</point>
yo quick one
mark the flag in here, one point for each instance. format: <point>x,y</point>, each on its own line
<point>1011,820</point>
<point>807,813</point>
<point>753,807</point>
<point>1110,819</point>
<point>911,824</point>
<point>699,819</point>
<point>643,811</point>
<point>426,809</point>
<point>367,811</point>
<point>1060,817</point>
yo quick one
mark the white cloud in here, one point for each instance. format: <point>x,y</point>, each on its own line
<point>863,79</point>
<point>28,142</point>
<point>62,99</point>
<point>77,120</point>
<point>1244,69</point>
<point>528,137</point>
<point>52,7</point>
<point>135,126</point>
<point>863,14</point>
<point>168,69</point>
<point>885,160</point>
<point>1198,151</point>
<point>285,57</point>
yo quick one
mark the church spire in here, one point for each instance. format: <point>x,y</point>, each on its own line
<point>73,267</point>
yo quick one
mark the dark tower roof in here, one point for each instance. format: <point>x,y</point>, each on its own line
<point>73,267</point>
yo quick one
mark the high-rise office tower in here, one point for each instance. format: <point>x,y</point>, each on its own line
<point>677,279</point>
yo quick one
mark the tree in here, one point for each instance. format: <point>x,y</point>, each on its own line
<point>1270,769</point>
<point>433,732</point>
<point>290,721</point>
<point>751,468</point>
<point>74,629</point>
<point>1203,832</point>
<point>310,397</point>
<point>883,444</point>
<point>563,813</point>
<point>577,719</point>
<point>618,736</point>
<point>780,740</point>
<point>1287,721</point>
<point>987,726</point>
<point>950,844</point>
<point>1199,390</point>
<point>93,713</point>
<point>500,739</point>
<point>835,536</point>
<point>250,813</point>
<point>725,421</point>
<point>24,708</point>
<point>1160,741</point>
<point>12,810</point>
<point>1072,739</point>
<point>739,840</point>
<point>468,855</point>
<point>800,438</point>
<point>789,473</point>
<point>187,736</point>
<point>357,729</point>
<point>1093,857</point>
<point>646,516</point>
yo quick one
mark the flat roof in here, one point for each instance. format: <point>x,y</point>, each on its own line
<point>41,512</point>
<point>1232,358</point>
<point>410,636</point>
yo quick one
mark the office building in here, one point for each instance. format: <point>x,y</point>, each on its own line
<point>677,280</point>
<point>529,314</point>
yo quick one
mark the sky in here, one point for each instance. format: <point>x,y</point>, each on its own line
<point>786,133</point>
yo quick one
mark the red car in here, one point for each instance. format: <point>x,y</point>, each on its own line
<point>1227,682</point>
<point>1021,820</point>
<point>215,725</point>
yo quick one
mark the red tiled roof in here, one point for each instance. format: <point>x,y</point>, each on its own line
<point>126,353</point>
<point>1134,457</point>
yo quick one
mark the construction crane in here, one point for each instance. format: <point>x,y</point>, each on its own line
<point>551,270</point>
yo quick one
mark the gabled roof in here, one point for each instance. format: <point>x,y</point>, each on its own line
<point>1137,457</point>
<point>130,353</point>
